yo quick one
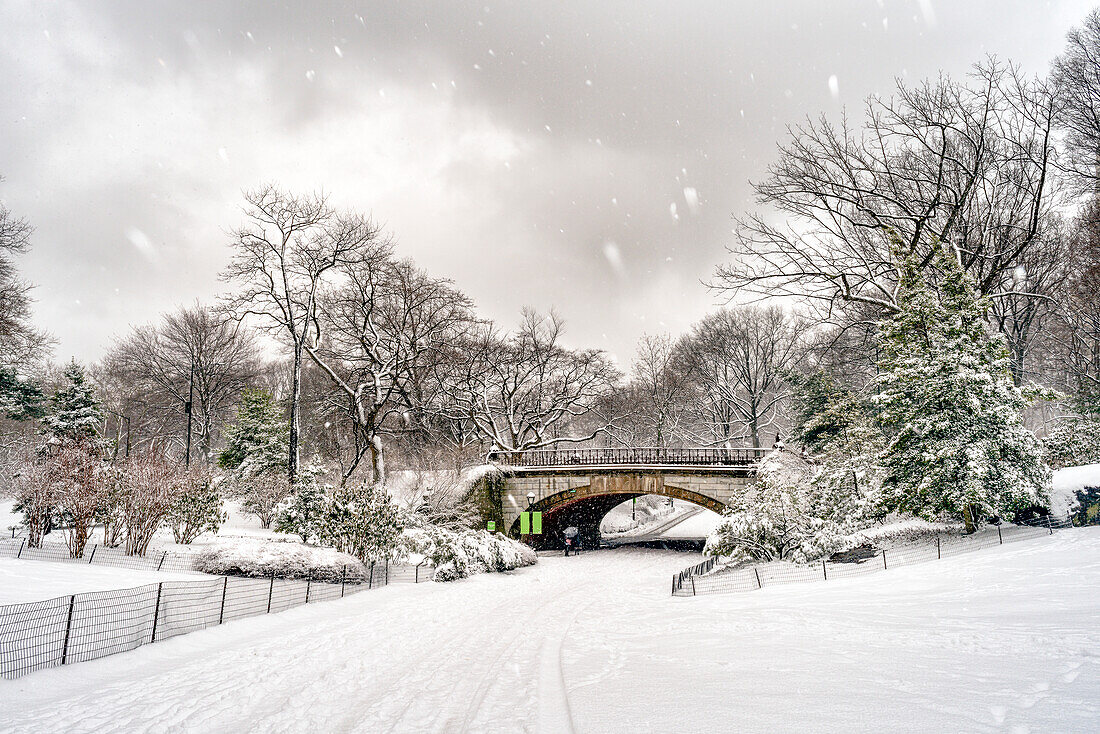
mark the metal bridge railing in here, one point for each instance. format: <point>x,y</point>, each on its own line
<point>633,456</point>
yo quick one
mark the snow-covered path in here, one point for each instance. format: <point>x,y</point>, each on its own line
<point>990,641</point>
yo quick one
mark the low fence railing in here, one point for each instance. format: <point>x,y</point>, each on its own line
<point>86,626</point>
<point>78,627</point>
<point>702,579</point>
<point>629,456</point>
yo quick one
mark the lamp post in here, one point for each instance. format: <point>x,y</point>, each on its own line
<point>188,408</point>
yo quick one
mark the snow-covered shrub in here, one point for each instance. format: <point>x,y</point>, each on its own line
<point>1074,442</point>
<point>783,516</point>
<point>196,508</point>
<point>305,513</point>
<point>34,495</point>
<point>149,487</point>
<point>279,558</point>
<point>361,521</point>
<point>262,494</point>
<point>79,477</point>
<point>459,554</point>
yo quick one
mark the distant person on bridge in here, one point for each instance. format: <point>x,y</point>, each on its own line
<point>572,540</point>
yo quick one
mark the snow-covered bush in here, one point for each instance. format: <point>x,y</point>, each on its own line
<point>783,516</point>
<point>262,494</point>
<point>305,513</point>
<point>283,559</point>
<point>149,487</point>
<point>1074,442</point>
<point>459,554</point>
<point>196,508</point>
<point>361,521</point>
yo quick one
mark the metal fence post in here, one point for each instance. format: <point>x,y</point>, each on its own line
<point>92,555</point>
<point>225,588</point>
<point>824,572</point>
<point>156,612</point>
<point>693,586</point>
<point>270,591</point>
<point>999,538</point>
<point>884,559</point>
<point>1049,526</point>
<point>163,556</point>
<point>370,584</point>
<point>387,572</point>
<point>309,582</point>
<point>343,577</point>
<point>938,554</point>
<point>24,542</point>
<point>68,627</point>
<point>759,584</point>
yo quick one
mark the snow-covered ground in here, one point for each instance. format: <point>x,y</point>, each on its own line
<point>23,581</point>
<point>1001,640</point>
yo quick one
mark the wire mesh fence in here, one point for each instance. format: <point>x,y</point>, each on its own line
<point>708,578</point>
<point>92,625</point>
<point>154,560</point>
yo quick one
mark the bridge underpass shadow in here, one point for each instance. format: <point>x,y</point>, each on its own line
<point>586,514</point>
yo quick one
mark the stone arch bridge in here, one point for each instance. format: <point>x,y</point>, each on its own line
<point>579,486</point>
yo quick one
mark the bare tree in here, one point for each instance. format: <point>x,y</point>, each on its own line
<point>737,359</point>
<point>20,343</point>
<point>655,400</point>
<point>526,390</point>
<point>192,359</point>
<point>282,257</point>
<point>1076,78</point>
<point>378,337</point>
<point>968,164</point>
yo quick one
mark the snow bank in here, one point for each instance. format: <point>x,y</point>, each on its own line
<point>1067,482</point>
<point>408,488</point>
<point>900,531</point>
<point>280,558</point>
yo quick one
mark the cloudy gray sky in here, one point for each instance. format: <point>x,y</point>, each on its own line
<point>582,154</point>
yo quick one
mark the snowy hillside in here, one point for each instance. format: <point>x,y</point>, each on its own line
<point>1001,640</point>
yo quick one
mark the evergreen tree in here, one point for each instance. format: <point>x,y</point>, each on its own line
<point>75,414</point>
<point>20,400</point>
<point>822,410</point>
<point>947,405</point>
<point>258,442</point>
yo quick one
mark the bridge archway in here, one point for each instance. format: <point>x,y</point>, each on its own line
<point>585,507</point>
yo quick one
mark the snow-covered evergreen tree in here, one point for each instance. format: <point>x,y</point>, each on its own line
<point>257,442</point>
<point>1073,442</point>
<point>946,402</point>
<point>20,399</point>
<point>74,414</point>
<point>785,515</point>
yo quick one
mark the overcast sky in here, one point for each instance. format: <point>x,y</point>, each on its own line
<point>585,155</point>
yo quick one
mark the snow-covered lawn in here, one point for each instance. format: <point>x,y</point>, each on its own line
<point>1000,640</point>
<point>23,581</point>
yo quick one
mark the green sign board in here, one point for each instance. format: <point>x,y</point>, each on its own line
<point>492,526</point>
<point>530,523</point>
